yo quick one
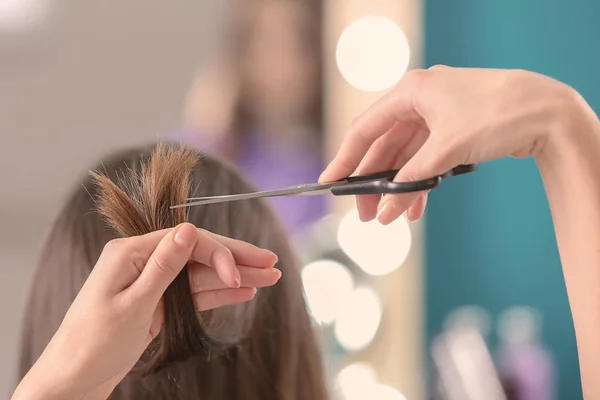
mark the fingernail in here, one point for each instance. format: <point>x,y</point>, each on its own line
<point>275,257</point>
<point>254,290</point>
<point>361,216</point>
<point>278,273</point>
<point>186,235</point>
<point>386,214</point>
<point>381,209</point>
<point>367,218</point>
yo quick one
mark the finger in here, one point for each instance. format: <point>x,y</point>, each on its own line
<point>165,263</point>
<point>366,205</point>
<point>416,211</point>
<point>122,260</point>
<point>203,278</point>
<point>384,155</point>
<point>158,320</point>
<point>247,253</point>
<point>211,252</point>
<point>411,148</point>
<point>397,105</point>
<point>365,129</point>
<point>430,160</point>
<point>224,297</point>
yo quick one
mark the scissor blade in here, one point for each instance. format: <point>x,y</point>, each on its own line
<point>302,190</point>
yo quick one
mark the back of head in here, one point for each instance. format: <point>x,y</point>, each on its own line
<point>263,349</point>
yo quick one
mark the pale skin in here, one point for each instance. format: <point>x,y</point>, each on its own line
<point>431,122</point>
<point>118,311</point>
<point>439,118</point>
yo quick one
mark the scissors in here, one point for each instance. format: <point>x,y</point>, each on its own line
<point>376,183</point>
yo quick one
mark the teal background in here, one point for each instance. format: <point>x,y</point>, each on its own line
<point>489,236</point>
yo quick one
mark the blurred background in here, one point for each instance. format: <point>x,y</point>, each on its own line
<point>469,304</point>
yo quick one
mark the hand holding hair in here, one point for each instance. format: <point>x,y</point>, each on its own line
<point>95,303</point>
<point>119,310</point>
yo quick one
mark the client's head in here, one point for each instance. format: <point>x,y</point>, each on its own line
<point>263,349</point>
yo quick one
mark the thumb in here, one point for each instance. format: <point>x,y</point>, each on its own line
<point>166,262</point>
<point>429,161</point>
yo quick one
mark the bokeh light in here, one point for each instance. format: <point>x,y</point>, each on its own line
<point>519,325</point>
<point>356,381</point>
<point>469,317</point>
<point>358,320</point>
<point>23,15</point>
<point>327,286</point>
<point>372,53</point>
<point>377,249</point>
<point>385,392</point>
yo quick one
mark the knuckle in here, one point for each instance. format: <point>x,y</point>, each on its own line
<point>125,250</point>
<point>118,247</point>
<point>416,77</point>
<point>357,130</point>
<point>202,233</point>
<point>453,143</point>
<point>138,261</point>
<point>203,236</point>
<point>114,245</point>
<point>197,277</point>
<point>394,98</point>
<point>164,265</point>
<point>438,66</point>
<point>355,125</point>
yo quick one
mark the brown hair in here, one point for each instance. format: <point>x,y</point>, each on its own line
<point>267,348</point>
<point>311,36</point>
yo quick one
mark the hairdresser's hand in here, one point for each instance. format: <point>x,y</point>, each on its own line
<point>436,119</point>
<point>119,311</point>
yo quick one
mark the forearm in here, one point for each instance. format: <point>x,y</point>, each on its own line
<point>39,384</point>
<point>53,377</point>
<point>570,167</point>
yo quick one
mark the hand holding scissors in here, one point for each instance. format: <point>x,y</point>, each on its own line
<point>436,119</point>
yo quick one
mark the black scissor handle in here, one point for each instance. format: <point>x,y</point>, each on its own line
<point>381,182</point>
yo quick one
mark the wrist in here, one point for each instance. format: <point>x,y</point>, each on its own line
<point>572,135</point>
<point>41,382</point>
<point>53,376</point>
